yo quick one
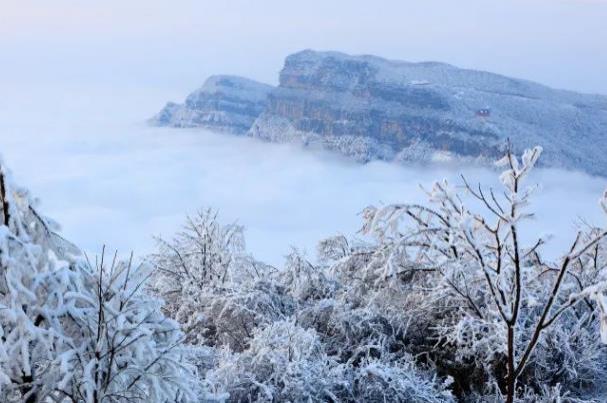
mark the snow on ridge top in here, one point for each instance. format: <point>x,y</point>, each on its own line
<point>311,55</point>
<point>223,103</point>
<point>236,85</point>
<point>438,73</point>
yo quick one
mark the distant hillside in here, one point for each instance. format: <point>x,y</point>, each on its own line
<point>370,108</point>
<point>224,103</point>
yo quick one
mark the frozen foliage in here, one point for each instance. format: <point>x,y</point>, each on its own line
<point>128,351</point>
<point>72,332</point>
<point>203,255</point>
<point>284,362</point>
<point>445,303</point>
<point>526,322</point>
<point>289,334</point>
<point>211,286</point>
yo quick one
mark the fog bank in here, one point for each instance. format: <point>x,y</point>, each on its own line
<point>108,178</point>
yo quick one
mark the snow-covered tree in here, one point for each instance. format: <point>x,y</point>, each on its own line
<point>124,349</point>
<point>34,280</point>
<point>506,299</point>
<point>211,286</point>
<point>70,332</point>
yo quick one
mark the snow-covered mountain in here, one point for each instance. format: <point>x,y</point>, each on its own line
<point>372,108</point>
<point>223,103</point>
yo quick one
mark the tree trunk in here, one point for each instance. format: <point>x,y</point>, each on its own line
<point>511,375</point>
<point>32,397</point>
<point>5,213</point>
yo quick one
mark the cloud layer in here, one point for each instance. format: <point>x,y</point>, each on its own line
<point>109,178</point>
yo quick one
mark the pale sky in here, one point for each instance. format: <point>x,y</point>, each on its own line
<point>178,43</point>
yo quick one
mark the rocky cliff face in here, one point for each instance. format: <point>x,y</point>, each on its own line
<point>371,108</point>
<point>223,103</point>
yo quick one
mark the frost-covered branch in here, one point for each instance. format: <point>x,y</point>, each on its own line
<point>464,244</point>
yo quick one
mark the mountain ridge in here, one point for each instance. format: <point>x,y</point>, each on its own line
<point>367,107</point>
<point>224,103</point>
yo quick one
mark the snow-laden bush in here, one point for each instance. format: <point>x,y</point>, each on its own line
<point>396,380</point>
<point>71,332</point>
<point>375,307</point>
<point>342,346</point>
<point>230,318</point>
<point>284,362</point>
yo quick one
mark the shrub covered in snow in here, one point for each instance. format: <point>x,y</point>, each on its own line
<point>283,362</point>
<point>286,362</point>
<point>74,332</point>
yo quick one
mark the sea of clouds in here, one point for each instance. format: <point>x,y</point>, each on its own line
<point>109,178</point>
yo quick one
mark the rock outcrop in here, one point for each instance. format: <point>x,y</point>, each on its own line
<point>224,103</point>
<point>372,108</point>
